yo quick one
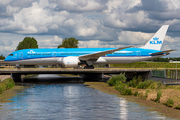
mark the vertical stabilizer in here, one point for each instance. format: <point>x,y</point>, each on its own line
<point>157,40</point>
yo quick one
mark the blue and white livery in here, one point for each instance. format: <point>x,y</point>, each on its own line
<point>72,57</point>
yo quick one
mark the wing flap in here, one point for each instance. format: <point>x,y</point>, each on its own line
<point>162,52</point>
<point>96,55</point>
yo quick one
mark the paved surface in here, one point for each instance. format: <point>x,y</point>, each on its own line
<point>3,77</point>
<point>167,81</point>
<point>68,71</point>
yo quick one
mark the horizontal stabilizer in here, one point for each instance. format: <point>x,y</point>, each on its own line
<point>96,55</point>
<point>162,52</point>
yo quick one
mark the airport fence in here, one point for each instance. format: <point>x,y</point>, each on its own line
<point>166,73</point>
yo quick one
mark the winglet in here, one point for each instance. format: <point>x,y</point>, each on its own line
<point>157,40</point>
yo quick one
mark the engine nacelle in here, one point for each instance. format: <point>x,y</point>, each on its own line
<point>70,62</point>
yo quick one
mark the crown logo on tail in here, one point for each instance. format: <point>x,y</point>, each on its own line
<point>155,38</point>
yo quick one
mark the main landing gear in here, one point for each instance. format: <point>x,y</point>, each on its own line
<point>17,66</point>
<point>89,67</point>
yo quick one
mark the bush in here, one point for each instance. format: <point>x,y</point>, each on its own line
<point>1,90</point>
<point>159,85</point>
<point>112,81</point>
<point>146,94</point>
<point>156,85</point>
<point>144,97</point>
<point>123,88</point>
<point>177,107</point>
<point>120,86</point>
<point>146,84</point>
<point>132,83</point>
<point>169,103</point>
<point>10,83</point>
<point>126,91</point>
<point>159,94</point>
<point>136,93</point>
<point>115,79</point>
<point>135,81</point>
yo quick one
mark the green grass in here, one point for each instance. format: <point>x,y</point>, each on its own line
<point>147,65</point>
<point>159,95</point>
<point>136,93</point>
<point>177,107</point>
<point>145,84</point>
<point>6,84</point>
<point>169,103</point>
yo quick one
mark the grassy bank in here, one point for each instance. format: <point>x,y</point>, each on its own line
<point>9,89</point>
<point>165,99</point>
<point>147,65</point>
<point>6,84</point>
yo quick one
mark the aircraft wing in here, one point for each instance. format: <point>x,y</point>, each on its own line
<point>96,55</point>
<point>162,52</point>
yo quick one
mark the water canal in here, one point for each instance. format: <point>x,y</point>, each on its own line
<point>74,101</point>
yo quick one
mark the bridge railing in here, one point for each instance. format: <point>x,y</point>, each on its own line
<point>166,73</point>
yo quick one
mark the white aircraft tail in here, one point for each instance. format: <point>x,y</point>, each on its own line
<point>157,40</point>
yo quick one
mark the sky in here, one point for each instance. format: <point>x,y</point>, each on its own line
<point>95,23</point>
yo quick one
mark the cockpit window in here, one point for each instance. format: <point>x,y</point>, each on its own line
<point>10,54</point>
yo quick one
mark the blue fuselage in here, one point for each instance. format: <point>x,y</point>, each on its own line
<point>55,56</point>
<point>65,52</point>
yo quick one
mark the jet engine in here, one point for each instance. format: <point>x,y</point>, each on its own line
<point>70,62</point>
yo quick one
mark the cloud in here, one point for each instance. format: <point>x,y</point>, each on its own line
<point>152,5</point>
<point>80,5</point>
<point>6,43</point>
<point>5,2</point>
<point>96,23</point>
<point>95,44</point>
<point>38,19</point>
<point>133,38</point>
<point>9,7</point>
<point>161,10</point>
<point>50,43</point>
<point>117,16</point>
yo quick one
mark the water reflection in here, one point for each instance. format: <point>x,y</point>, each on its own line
<point>53,78</point>
<point>123,109</point>
<point>71,101</point>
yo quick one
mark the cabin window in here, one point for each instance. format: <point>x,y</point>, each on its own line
<point>10,54</point>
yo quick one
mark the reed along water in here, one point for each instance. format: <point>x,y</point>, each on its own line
<point>59,101</point>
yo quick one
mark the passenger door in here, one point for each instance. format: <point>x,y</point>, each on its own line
<point>21,55</point>
<point>138,53</point>
<point>54,54</point>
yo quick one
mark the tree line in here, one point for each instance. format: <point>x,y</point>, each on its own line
<point>29,42</point>
<point>2,57</point>
<point>165,59</point>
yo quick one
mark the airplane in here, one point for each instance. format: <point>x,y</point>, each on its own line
<point>73,57</point>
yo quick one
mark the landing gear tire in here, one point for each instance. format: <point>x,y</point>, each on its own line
<point>107,66</point>
<point>89,67</point>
